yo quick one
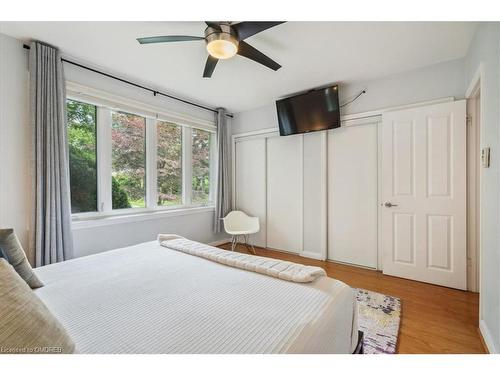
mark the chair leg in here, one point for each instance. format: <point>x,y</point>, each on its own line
<point>246,242</point>
<point>233,242</point>
<point>249,247</point>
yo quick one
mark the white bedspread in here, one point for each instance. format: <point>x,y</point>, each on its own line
<point>143,299</point>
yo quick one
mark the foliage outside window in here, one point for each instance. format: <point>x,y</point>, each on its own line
<point>82,120</point>
<point>201,167</point>
<point>126,144</point>
<point>169,164</point>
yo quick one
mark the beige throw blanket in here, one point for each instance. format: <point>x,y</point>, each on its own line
<point>280,269</point>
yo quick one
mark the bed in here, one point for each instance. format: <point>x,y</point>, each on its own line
<point>151,299</point>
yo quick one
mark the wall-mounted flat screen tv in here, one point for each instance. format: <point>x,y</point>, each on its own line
<point>315,110</point>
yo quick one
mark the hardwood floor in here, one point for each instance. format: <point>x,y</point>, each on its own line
<point>434,319</point>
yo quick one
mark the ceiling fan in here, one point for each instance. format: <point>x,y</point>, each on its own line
<point>225,40</point>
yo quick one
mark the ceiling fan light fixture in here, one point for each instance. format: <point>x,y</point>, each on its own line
<point>222,45</point>
<point>225,40</point>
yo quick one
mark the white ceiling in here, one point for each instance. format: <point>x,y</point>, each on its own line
<point>311,53</point>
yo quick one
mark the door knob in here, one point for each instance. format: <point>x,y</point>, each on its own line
<point>389,205</point>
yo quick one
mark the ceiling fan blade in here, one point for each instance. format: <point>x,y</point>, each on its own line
<point>213,25</point>
<point>209,66</point>
<point>168,38</point>
<point>246,50</point>
<point>247,29</point>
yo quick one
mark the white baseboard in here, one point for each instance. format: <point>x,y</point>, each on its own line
<point>485,332</point>
<point>220,242</point>
<point>307,254</point>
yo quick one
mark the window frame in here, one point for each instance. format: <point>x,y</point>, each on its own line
<point>106,104</point>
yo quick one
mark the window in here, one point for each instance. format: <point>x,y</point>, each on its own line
<point>121,161</point>
<point>169,164</point>
<point>128,146</point>
<point>201,167</point>
<point>82,156</point>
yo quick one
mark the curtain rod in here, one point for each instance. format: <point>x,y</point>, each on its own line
<point>155,92</point>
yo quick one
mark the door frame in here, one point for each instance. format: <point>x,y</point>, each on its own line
<point>472,94</point>
<point>474,188</point>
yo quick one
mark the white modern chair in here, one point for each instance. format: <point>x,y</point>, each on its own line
<point>238,223</point>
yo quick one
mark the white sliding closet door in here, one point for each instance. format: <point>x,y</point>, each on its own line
<point>250,181</point>
<point>315,195</point>
<point>284,193</point>
<point>352,193</point>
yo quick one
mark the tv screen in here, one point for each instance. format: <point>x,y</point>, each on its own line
<point>313,111</point>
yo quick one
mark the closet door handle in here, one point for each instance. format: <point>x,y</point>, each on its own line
<point>389,205</point>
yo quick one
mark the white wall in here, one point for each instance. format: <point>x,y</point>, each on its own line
<point>485,51</point>
<point>15,210</point>
<point>197,226</point>
<point>433,82</point>
<point>14,139</point>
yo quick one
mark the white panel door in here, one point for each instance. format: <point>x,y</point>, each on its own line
<point>284,193</point>
<point>250,181</point>
<point>315,195</point>
<point>423,208</point>
<point>352,194</point>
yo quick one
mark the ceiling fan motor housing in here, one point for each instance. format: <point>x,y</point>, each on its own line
<point>222,43</point>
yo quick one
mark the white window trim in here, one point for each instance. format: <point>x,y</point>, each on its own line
<point>142,215</point>
<point>187,162</point>
<point>151,163</point>
<point>107,103</point>
<point>114,102</point>
<point>104,185</point>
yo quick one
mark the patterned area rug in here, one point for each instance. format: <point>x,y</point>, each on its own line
<point>378,318</point>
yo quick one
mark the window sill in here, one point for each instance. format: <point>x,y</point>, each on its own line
<point>100,220</point>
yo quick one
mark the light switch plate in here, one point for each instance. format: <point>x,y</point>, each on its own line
<point>485,157</point>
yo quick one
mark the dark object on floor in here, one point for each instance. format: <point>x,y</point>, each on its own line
<point>359,346</point>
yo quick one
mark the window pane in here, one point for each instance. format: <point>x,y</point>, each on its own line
<point>201,167</point>
<point>128,135</point>
<point>82,156</point>
<point>169,164</point>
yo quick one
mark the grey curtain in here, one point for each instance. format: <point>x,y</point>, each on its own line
<point>51,228</point>
<point>223,196</point>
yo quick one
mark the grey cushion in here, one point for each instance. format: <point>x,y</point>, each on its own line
<point>15,255</point>
<point>26,324</point>
<point>1,254</point>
